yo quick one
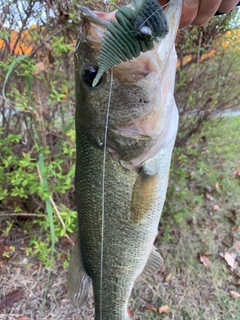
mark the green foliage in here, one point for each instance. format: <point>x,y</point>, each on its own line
<point>6,254</point>
<point>204,171</point>
<point>4,34</point>
<point>21,178</point>
<point>9,227</point>
<point>20,173</point>
<point>39,244</point>
<point>37,145</point>
<point>69,218</point>
<point>59,46</point>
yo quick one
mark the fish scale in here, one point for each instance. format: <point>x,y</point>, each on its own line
<point>126,257</point>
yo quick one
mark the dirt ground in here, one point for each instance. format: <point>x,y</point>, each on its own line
<point>197,281</point>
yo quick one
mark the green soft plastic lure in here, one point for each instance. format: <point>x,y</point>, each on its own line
<point>134,31</point>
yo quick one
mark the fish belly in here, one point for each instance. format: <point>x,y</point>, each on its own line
<point>133,203</point>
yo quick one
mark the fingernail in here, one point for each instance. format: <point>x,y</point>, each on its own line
<point>191,3</point>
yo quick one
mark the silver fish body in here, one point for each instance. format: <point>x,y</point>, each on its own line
<point>140,137</point>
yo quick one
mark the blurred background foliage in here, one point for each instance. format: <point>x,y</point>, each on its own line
<point>37,39</point>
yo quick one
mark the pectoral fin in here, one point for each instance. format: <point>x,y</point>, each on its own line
<point>153,264</point>
<point>78,281</point>
<point>144,193</point>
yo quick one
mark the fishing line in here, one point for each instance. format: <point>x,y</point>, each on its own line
<point>103,186</point>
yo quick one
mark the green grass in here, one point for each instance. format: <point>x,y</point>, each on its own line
<point>201,178</point>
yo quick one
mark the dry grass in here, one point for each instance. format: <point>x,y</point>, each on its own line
<point>192,292</point>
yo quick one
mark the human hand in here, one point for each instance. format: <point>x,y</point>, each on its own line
<point>199,12</point>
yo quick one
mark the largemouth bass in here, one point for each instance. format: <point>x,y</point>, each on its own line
<point>119,211</point>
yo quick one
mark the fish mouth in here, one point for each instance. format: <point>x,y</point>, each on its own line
<point>94,26</point>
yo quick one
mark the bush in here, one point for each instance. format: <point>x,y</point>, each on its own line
<point>207,80</point>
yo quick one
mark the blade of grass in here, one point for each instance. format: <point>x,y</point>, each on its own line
<point>47,201</point>
<point>42,171</point>
<point>11,67</point>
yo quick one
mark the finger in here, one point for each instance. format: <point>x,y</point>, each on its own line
<point>206,11</point>
<point>189,12</point>
<point>227,5</point>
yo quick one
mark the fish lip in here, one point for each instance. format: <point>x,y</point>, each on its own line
<point>91,21</point>
<point>91,16</point>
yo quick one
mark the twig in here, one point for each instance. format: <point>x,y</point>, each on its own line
<point>22,214</point>
<point>50,6</point>
<point>60,219</point>
<point>46,40</point>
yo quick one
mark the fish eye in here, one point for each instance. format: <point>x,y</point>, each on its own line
<point>88,73</point>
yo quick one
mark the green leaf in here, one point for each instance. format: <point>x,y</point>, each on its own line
<point>11,67</point>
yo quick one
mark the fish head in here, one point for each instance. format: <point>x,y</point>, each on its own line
<point>138,92</point>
